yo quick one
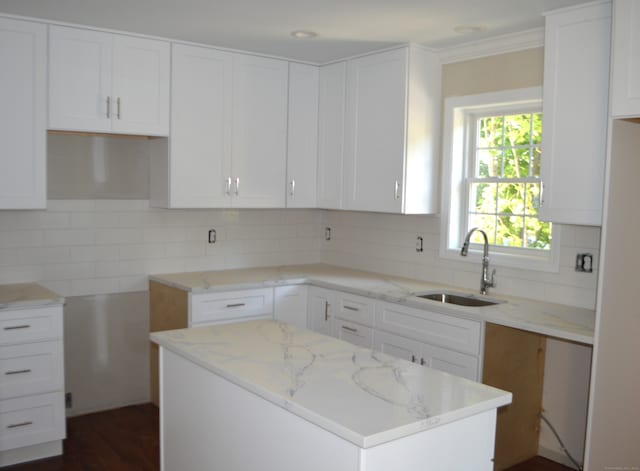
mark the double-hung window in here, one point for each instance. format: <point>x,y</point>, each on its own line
<point>492,154</point>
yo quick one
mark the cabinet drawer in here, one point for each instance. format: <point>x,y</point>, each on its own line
<point>25,325</point>
<point>228,306</point>
<point>355,308</point>
<point>30,420</point>
<point>462,335</point>
<point>31,368</point>
<point>354,333</point>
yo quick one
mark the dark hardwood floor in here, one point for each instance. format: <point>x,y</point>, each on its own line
<point>126,439</point>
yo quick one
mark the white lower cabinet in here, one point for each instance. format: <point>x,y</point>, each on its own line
<point>353,333</point>
<point>32,416</point>
<point>290,304</point>
<point>320,310</point>
<point>230,306</point>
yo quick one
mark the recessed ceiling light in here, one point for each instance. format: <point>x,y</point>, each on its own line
<point>302,34</point>
<point>465,29</point>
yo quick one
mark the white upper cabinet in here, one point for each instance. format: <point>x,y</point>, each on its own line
<point>575,100</point>
<point>228,140</point>
<point>331,135</point>
<point>259,132</point>
<point>302,149</point>
<point>200,143</point>
<point>23,105</point>
<point>103,82</point>
<point>392,132</point>
<point>625,76</point>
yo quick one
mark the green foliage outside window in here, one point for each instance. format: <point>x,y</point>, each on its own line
<point>504,189</point>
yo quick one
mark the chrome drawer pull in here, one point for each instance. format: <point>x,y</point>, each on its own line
<point>21,424</point>
<point>17,372</point>
<point>349,329</point>
<point>351,308</point>
<point>16,327</point>
<point>236,305</point>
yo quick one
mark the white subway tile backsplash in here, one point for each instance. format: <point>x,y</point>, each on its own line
<point>15,239</point>
<point>70,237</point>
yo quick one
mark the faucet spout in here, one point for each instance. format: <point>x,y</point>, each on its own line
<point>485,281</point>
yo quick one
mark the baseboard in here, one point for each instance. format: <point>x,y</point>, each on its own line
<point>557,456</point>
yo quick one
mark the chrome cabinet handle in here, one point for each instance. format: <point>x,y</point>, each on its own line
<point>326,311</point>
<point>349,329</point>
<point>236,305</point>
<point>237,186</point>
<point>413,358</point>
<point>351,308</point>
<point>17,372</point>
<point>119,107</point>
<point>228,184</point>
<point>422,361</point>
<point>109,107</point>
<point>293,187</point>
<point>21,424</point>
<point>396,193</point>
<point>16,327</point>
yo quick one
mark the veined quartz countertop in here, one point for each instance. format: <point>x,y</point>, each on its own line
<point>26,295</point>
<point>556,320</point>
<point>365,397</point>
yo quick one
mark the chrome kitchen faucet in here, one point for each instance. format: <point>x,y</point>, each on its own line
<point>485,282</point>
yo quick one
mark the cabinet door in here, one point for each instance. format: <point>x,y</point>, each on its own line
<point>140,86</point>
<point>290,304</point>
<point>302,149</point>
<point>449,361</point>
<point>576,84</point>
<point>331,108</point>
<point>200,143</point>
<point>23,55</point>
<point>321,309</point>
<point>231,306</point>
<point>375,131</point>
<point>353,333</point>
<point>80,79</point>
<point>259,132</point>
<point>396,346</point>
<point>625,77</point>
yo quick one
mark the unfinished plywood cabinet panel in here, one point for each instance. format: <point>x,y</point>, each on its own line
<point>168,309</point>
<point>514,361</point>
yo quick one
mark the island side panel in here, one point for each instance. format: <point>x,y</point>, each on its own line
<point>168,310</point>
<point>461,445</point>
<point>514,361</point>
<point>207,422</point>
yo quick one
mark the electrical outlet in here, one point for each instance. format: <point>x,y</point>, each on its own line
<point>327,233</point>
<point>419,244</point>
<point>584,263</point>
<point>212,236</point>
<point>68,400</point>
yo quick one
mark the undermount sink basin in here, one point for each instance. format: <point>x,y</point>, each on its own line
<point>460,299</point>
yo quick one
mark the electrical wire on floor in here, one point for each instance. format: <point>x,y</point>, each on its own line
<point>564,448</point>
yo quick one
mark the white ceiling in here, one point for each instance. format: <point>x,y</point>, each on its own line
<point>344,27</point>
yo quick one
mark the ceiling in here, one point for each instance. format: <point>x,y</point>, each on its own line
<point>344,27</point>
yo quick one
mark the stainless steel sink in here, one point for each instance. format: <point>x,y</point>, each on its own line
<point>459,299</point>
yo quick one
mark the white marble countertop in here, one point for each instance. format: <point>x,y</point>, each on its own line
<point>556,320</point>
<point>26,295</point>
<point>365,397</point>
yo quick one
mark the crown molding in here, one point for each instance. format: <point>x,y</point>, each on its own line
<point>502,44</point>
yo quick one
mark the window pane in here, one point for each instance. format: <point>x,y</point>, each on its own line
<point>485,222</point>
<point>511,198</point>
<point>535,162</point>
<point>536,136</point>
<point>533,198</point>
<point>510,231</point>
<point>516,162</point>
<point>488,163</point>
<point>483,198</point>
<point>538,234</point>
<point>490,131</point>
<point>517,130</point>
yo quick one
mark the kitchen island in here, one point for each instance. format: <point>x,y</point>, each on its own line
<point>268,395</point>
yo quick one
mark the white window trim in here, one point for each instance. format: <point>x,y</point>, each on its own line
<point>456,113</point>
